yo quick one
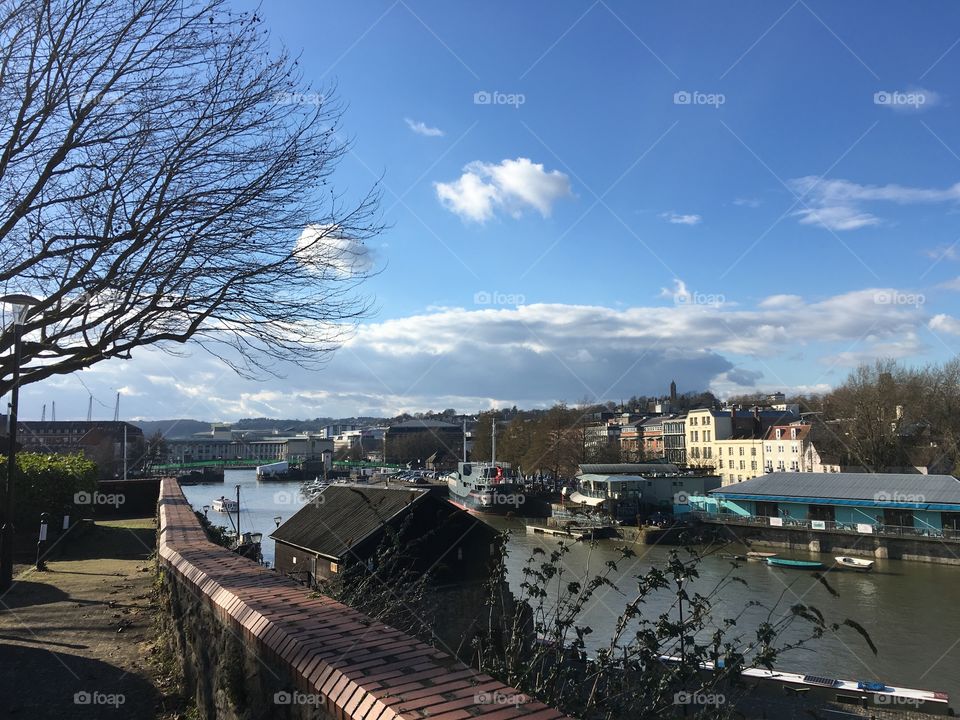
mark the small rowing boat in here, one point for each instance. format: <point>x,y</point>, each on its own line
<point>754,555</point>
<point>795,564</point>
<point>854,563</point>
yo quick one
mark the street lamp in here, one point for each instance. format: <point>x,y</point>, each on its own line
<point>21,305</point>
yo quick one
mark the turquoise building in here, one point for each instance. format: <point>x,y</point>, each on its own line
<point>869,503</point>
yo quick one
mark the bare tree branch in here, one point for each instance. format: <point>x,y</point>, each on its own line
<point>164,179</point>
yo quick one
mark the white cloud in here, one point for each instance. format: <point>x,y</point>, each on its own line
<point>421,128</point>
<point>945,323</point>
<point>323,249</point>
<point>838,204</point>
<point>530,355</point>
<point>943,252</point>
<point>747,202</point>
<point>950,284</point>
<point>511,185</point>
<point>678,219</point>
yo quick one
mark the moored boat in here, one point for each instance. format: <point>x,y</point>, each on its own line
<point>485,488</point>
<point>754,555</point>
<point>224,505</point>
<point>795,564</point>
<point>853,563</point>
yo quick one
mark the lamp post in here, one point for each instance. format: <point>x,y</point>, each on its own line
<point>21,305</point>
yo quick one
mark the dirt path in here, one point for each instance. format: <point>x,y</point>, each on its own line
<point>76,641</point>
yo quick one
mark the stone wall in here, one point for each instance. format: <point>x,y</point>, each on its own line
<point>876,546</point>
<point>254,644</point>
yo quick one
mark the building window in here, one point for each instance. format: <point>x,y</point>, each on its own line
<point>742,465</point>
<point>768,448</point>
<point>741,451</point>
<point>753,464</point>
<point>708,453</point>
<point>779,448</point>
<point>753,452</point>
<point>706,436</point>
<point>721,463</point>
<point>778,433</point>
<point>729,451</point>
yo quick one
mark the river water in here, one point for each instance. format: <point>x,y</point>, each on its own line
<point>911,610</point>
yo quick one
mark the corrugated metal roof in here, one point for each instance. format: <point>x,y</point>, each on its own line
<point>344,517</point>
<point>884,487</point>
<point>628,468</point>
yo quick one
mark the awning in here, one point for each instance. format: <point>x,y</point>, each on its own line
<point>577,497</point>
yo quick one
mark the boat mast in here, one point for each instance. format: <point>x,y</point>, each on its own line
<point>464,440</point>
<point>238,513</point>
<point>493,441</point>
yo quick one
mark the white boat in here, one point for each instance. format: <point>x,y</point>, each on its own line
<point>754,555</point>
<point>224,505</point>
<point>854,563</point>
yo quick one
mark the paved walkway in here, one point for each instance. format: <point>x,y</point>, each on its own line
<point>74,640</point>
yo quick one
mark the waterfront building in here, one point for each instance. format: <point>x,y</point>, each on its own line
<point>738,459</point>
<point>98,440</point>
<point>259,448</point>
<point>631,446</point>
<point>348,526</point>
<point>630,490</point>
<point>674,440</point>
<point>651,436</point>
<point>704,426</point>
<point>867,503</point>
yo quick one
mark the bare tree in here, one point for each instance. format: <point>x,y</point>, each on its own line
<point>165,178</point>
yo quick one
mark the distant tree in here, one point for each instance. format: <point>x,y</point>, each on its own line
<point>158,163</point>
<point>156,450</point>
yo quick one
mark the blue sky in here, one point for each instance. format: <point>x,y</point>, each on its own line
<point>592,199</point>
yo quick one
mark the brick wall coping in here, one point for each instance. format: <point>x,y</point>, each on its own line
<point>362,669</point>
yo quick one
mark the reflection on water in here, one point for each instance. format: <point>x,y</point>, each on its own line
<point>909,609</point>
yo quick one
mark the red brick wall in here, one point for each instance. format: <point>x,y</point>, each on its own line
<point>357,667</point>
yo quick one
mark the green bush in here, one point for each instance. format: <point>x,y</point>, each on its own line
<point>48,483</point>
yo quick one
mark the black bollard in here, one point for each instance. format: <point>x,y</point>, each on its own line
<point>42,542</point>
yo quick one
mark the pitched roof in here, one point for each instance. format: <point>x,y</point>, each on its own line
<point>802,432</point>
<point>873,487</point>
<point>343,516</point>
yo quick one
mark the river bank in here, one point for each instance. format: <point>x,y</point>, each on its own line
<point>907,607</point>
